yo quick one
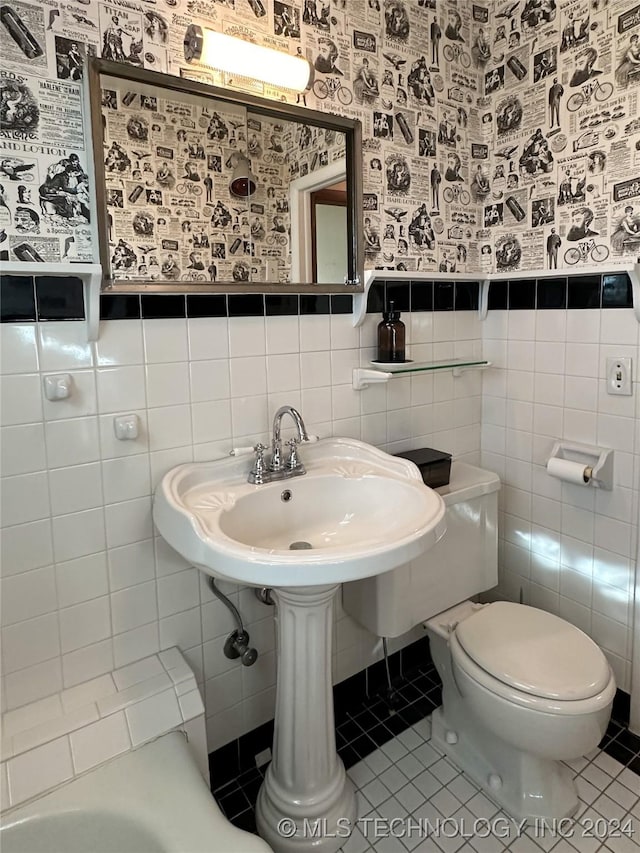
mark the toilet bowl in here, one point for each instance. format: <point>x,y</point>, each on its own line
<point>522,690</point>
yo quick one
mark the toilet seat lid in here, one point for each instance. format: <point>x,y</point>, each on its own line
<point>534,651</point>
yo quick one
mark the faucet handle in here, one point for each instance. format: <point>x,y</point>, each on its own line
<point>256,475</point>
<point>293,462</point>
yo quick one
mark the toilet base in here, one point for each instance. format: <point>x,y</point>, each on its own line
<point>525,786</point>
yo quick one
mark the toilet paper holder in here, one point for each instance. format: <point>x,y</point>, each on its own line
<point>597,462</point>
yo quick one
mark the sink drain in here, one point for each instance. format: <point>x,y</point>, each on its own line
<point>300,546</point>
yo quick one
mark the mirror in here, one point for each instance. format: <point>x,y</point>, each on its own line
<point>199,188</point>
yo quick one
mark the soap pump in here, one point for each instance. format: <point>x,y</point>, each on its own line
<point>391,336</point>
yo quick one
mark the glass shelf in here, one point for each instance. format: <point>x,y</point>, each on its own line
<point>376,373</point>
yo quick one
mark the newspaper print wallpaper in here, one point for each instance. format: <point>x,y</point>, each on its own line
<point>497,136</point>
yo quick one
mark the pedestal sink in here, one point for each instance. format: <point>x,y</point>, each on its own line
<point>357,512</point>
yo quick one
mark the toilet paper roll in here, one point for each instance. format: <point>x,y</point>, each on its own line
<point>570,472</point>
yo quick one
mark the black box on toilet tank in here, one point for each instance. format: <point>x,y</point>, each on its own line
<point>434,465</point>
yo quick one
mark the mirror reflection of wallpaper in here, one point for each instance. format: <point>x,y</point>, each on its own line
<point>497,135</point>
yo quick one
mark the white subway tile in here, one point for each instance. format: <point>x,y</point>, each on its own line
<point>34,714</point>
<point>133,607</point>
<point>223,691</point>
<point>99,742</point>
<point>165,340</point>
<point>212,421</point>
<point>39,770</point>
<point>87,663</point>
<point>64,346</point>
<point>136,643</point>
<point>22,449</point>
<point>82,579</point>
<point>209,380</point>
<point>618,326</point>
<point>129,521</point>
<point>78,534</point>
<point>85,624</point>
<point>25,498</point>
<point>18,348</point>
<point>167,384</point>
<point>343,334</point>
<point>522,325</point>
<point>126,478</point>
<point>131,564</point>
<point>169,426</point>
<point>30,642</point>
<point>178,592</point>
<point>119,343</point>
<point>247,337</point>
<point>27,595</point>
<point>33,683</point>
<point>315,333</point>
<point>249,417</point>
<point>283,335</point>
<point>52,729</point>
<point>75,488</point>
<point>20,399</point>
<point>208,338</point>
<point>181,629</point>
<point>120,389</point>
<point>72,442</point>
<point>152,717</point>
<point>25,547</point>
<point>89,691</point>
<point>283,373</point>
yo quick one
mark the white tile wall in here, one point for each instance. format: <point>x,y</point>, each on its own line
<point>79,514</point>
<point>564,548</point>
<point>49,741</point>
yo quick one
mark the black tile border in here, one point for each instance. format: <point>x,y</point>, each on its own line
<point>27,299</point>
<point>17,299</point>
<point>59,297</point>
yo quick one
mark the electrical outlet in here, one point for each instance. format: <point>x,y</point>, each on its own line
<point>619,376</point>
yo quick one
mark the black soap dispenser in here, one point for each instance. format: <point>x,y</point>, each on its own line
<point>391,337</point>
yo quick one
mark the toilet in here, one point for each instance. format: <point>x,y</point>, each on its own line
<point>523,690</point>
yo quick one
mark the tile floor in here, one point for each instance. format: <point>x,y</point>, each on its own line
<point>410,797</point>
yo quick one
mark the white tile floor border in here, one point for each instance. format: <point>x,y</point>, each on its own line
<point>410,797</point>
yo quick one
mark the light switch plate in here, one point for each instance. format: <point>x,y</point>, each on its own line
<point>619,376</point>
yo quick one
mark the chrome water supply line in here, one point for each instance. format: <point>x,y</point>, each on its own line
<point>237,643</point>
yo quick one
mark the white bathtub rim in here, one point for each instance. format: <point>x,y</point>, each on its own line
<point>158,786</point>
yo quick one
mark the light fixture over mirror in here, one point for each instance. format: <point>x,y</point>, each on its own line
<point>245,59</point>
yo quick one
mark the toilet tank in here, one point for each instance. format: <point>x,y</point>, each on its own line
<point>462,564</point>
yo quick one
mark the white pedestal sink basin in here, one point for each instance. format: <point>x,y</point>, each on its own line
<point>357,512</point>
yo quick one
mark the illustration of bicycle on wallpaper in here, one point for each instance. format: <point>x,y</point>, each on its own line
<point>453,53</point>
<point>598,252</point>
<point>332,87</point>
<point>456,193</point>
<point>188,189</point>
<point>600,92</point>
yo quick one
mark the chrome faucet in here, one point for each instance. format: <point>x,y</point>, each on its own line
<point>277,468</point>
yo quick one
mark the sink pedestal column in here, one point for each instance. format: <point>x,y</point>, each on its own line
<point>306,800</point>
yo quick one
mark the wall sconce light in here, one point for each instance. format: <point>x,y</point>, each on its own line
<point>243,182</point>
<point>245,59</point>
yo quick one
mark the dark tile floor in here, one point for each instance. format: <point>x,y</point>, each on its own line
<point>363,727</point>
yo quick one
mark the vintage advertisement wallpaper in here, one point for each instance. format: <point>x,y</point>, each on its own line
<point>497,136</point>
